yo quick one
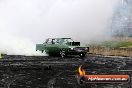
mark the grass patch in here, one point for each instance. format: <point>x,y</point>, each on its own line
<point>116,44</point>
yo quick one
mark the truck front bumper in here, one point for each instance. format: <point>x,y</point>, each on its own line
<point>76,52</point>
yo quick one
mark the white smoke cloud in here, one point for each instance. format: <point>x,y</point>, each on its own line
<point>23,23</point>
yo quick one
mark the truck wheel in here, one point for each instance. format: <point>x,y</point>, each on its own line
<point>82,54</point>
<point>62,53</point>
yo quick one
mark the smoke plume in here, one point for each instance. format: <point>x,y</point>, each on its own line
<point>23,23</point>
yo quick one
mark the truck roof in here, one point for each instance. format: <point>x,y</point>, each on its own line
<point>59,38</point>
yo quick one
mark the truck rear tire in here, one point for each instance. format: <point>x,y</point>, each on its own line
<point>62,53</point>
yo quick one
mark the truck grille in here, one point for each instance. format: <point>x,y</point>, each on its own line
<point>80,48</point>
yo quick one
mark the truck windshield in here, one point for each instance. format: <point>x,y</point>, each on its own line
<point>65,41</point>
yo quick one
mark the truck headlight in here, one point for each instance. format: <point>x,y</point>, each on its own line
<point>71,48</point>
<point>86,48</point>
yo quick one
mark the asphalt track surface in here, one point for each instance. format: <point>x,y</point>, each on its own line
<point>56,72</point>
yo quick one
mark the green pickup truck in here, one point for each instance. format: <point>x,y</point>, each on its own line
<point>62,47</point>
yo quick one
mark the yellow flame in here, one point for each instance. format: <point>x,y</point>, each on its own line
<point>81,71</point>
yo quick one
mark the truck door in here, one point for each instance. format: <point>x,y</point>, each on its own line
<point>56,46</point>
<point>52,47</point>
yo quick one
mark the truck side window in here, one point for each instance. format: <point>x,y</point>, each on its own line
<point>55,41</point>
<point>49,41</point>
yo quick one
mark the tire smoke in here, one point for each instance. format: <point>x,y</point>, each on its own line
<point>23,23</point>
